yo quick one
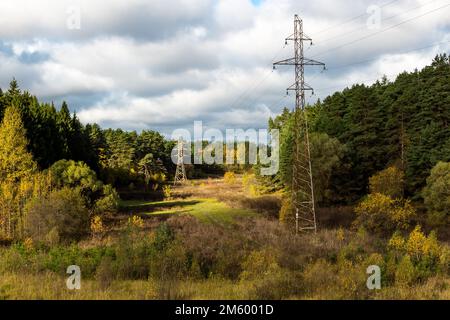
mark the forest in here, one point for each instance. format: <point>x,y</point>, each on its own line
<point>104,199</point>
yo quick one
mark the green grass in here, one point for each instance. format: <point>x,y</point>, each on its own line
<point>207,210</point>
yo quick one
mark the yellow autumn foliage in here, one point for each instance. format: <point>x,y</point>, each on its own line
<point>397,242</point>
<point>97,225</point>
<point>388,182</point>
<point>380,213</point>
<point>419,245</point>
<point>136,221</point>
<point>229,177</point>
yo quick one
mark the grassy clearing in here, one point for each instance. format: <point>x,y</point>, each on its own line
<point>206,210</point>
<point>192,247</point>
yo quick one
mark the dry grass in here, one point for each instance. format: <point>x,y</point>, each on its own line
<point>49,286</point>
<point>329,265</point>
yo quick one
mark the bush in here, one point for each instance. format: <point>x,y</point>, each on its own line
<point>420,256</point>
<point>229,177</point>
<point>379,213</point>
<point>105,273</point>
<point>278,285</point>
<point>436,193</point>
<point>286,214</point>
<point>167,191</point>
<point>250,185</point>
<point>69,173</point>
<point>109,202</point>
<point>406,273</point>
<point>133,255</point>
<point>78,175</point>
<point>171,263</point>
<point>97,227</point>
<point>259,264</point>
<point>388,182</point>
<point>61,216</point>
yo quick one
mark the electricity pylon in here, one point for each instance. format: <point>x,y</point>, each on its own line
<point>302,189</point>
<point>180,173</point>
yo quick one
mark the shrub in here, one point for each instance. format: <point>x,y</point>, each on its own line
<point>171,263</point>
<point>436,193</point>
<point>388,182</point>
<point>61,216</point>
<point>397,242</point>
<point>423,252</point>
<point>109,202</point>
<point>229,177</point>
<point>259,264</point>
<point>133,255</point>
<point>250,185</point>
<point>379,213</point>
<point>167,191</point>
<point>70,173</point>
<point>278,285</point>
<point>105,273</point>
<point>100,197</point>
<point>406,273</point>
<point>163,237</point>
<point>135,222</point>
<point>97,227</point>
<point>286,214</point>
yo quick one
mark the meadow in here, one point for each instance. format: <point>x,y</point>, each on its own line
<point>196,246</point>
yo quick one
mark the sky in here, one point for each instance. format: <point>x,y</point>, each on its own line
<point>161,65</point>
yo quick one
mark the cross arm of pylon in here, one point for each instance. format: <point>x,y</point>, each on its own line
<point>303,62</point>
<point>303,38</point>
<point>305,87</point>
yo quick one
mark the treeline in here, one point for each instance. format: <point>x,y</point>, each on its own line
<point>125,159</point>
<point>117,156</point>
<point>365,129</point>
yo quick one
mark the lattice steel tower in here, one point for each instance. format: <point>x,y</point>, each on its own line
<point>302,189</point>
<point>180,173</point>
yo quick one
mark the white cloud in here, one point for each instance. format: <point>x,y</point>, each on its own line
<point>140,63</point>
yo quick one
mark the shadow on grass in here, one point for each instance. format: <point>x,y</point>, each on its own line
<point>140,206</point>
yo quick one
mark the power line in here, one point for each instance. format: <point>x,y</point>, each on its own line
<point>255,86</point>
<point>384,20</point>
<point>352,19</point>
<point>245,94</point>
<point>381,31</point>
<point>345,22</point>
<point>374,59</point>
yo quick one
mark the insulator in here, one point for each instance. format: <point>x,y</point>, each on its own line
<point>285,42</point>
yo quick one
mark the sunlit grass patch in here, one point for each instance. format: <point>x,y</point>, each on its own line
<point>207,210</point>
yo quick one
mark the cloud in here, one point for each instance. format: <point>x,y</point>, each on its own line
<point>147,64</point>
<point>155,19</point>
